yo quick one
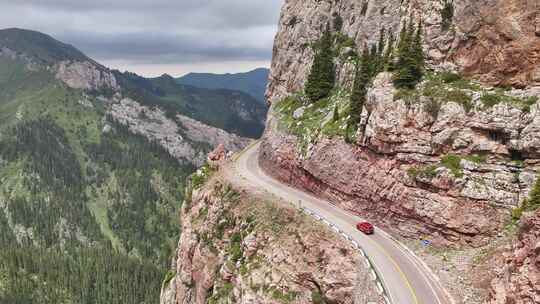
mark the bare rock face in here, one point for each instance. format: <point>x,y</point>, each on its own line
<point>239,249</point>
<point>518,280</point>
<point>85,75</point>
<point>395,172</point>
<point>218,154</point>
<point>496,41</point>
<point>200,132</point>
<point>177,136</point>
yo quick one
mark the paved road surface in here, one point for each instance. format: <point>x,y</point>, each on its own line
<point>405,277</point>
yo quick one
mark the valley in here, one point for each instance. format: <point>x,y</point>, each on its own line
<point>93,164</point>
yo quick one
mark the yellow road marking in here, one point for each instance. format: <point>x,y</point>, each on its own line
<point>237,156</point>
<point>402,274</point>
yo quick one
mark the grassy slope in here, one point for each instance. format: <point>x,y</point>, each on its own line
<point>109,187</point>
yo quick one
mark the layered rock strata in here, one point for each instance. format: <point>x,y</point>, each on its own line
<point>236,248</point>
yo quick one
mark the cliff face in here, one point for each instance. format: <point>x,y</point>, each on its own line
<point>383,174</point>
<point>446,162</point>
<point>518,281</point>
<point>496,41</point>
<point>185,138</point>
<point>452,177</point>
<point>236,248</point>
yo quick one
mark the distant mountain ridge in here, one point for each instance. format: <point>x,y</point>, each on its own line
<point>252,82</point>
<point>233,111</point>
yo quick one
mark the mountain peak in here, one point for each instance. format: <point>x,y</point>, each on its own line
<point>38,46</point>
<point>252,82</point>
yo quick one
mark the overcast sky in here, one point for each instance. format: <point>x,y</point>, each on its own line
<point>152,37</point>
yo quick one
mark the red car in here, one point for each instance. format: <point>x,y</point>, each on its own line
<point>365,227</point>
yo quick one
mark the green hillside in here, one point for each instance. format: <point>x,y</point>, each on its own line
<point>89,210</point>
<point>252,83</point>
<point>68,186</point>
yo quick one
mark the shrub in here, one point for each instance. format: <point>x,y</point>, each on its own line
<point>435,88</point>
<point>450,77</point>
<point>222,293</point>
<point>168,277</point>
<point>283,297</point>
<point>533,202</point>
<point>316,297</point>
<point>453,163</point>
<point>517,212</point>
<point>236,247</point>
<point>343,41</point>
<point>432,106</point>
<point>461,98</point>
<point>335,118</point>
<point>409,96</point>
<point>428,172</point>
<point>447,14</point>
<point>476,158</point>
<point>489,100</point>
<point>528,102</point>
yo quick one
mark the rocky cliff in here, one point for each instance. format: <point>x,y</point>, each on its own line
<point>518,281</point>
<point>496,41</point>
<point>452,177</point>
<point>237,247</point>
<point>446,162</point>
<point>183,137</point>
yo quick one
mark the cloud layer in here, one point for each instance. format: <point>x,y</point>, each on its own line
<point>156,36</point>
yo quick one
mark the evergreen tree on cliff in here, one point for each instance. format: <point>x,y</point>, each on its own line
<point>359,93</point>
<point>388,58</point>
<point>410,66</point>
<point>336,114</point>
<point>321,78</point>
<point>382,42</point>
<point>417,52</point>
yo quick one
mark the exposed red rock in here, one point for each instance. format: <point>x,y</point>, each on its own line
<point>518,280</point>
<point>219,154</point>
<point>278,251</point>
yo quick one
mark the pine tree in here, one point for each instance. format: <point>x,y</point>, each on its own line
<point>382,41</point>
<point>335,118</point>
<point>410,65</point>
<point>359,93</point>
<point>388,58</point>
<point>322,75</point>
<point>402,38</point>
<point>379,60</point>
<point>417,53</point>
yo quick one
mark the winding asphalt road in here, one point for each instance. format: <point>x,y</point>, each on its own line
<point>406,279</point>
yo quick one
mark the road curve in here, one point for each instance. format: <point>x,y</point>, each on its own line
<point>406,278</point>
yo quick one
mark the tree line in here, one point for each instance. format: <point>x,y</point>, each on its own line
<point>62,255</point>
<point>406,61</point>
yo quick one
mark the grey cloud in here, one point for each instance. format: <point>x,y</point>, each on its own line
<point>166,48</point>
<point>154,31</point>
